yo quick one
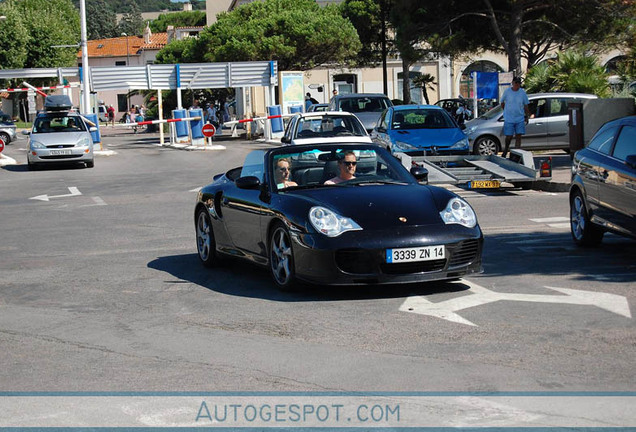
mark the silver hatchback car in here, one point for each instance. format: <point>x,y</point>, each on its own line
<point>60,137</point>
<point>547,128</point>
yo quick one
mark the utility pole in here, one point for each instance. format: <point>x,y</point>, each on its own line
<point>86,95</point>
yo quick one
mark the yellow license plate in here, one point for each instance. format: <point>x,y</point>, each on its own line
<point>484,184</point>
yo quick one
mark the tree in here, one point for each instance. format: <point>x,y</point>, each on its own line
<point>131,22</point>
<point>531,28</point>
<point>572,71</point>
<point>426,82</point>
<point>48,23</point>
<point>101,21</point>
<point>177,19</point>
<point>299,34</point>
<point>13,37</point>
<point>367,16</point>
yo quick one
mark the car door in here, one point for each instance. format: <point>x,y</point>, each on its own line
<point>380,133</point>
<point>243,208</point>
<point>617,182</point>
<point>557,123</point>
<point>588,165</point>
<point>536,135</point>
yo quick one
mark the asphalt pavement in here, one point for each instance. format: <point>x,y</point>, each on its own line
<point>559,182</point>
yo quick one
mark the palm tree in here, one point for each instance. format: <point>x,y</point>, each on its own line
<point>425,82</point>
<point>571,71</point>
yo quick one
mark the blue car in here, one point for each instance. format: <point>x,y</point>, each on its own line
<point>419,130</point>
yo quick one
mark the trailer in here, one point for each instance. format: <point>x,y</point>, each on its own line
<point>481,172</point>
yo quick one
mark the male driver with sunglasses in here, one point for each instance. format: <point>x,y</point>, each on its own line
<point>347,167</point>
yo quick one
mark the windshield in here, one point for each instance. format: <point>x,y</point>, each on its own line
<point>336,166</point>
<point>329,126</point>
<point>421,118</point>
<point>495,112</point>
<point>364,104</point>
<point>58,123</point>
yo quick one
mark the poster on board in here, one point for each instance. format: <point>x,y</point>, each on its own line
<point>291,91</point>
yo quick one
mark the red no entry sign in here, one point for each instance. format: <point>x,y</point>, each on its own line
<point>1,145</point>
<point>208,130</point>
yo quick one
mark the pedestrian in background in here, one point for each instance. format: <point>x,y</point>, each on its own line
<point>111,115</point>
<point>514,102</point>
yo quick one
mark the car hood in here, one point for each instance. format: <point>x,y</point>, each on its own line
<point>368,119</point>
<point>59,138</point>
<point>376,206</point>
<point>428,137</point>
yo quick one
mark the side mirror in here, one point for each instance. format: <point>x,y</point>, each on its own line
<point>248,182</point>
<point>381,129</point>
<point>420,174</point>
<point>26,132</point>
<point>285,140</point>
<point>462,126</point>
<point>631,160</point>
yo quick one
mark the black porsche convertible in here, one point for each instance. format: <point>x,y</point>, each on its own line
<point>336,214</point>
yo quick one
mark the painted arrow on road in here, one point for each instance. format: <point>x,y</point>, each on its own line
<point>73,192</point>
<point>480,296</point>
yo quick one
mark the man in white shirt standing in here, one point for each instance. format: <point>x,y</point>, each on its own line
<point>514,102</point>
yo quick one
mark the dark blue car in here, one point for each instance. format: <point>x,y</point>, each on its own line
<point>419,130</point>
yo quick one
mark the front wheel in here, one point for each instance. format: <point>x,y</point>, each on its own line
<point>486,146</point>
<point>5,137</point>
<point>281,258</point>
<point>584,232</point>
<point>206,245</point>
<point>90,164</point>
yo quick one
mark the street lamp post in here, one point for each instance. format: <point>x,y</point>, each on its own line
<point>127,64</point>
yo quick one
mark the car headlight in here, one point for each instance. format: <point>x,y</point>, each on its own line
<point>37,145</point>
<point>402,146</point>
<point>458,211</point>
<point>84,142</point>
<point>462,144</point>
<point>470,130</point>
<point>330,223</point>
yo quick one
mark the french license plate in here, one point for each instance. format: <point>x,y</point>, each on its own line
<point>60,152</point>
<point>484,184</point>
<point>426,253</point>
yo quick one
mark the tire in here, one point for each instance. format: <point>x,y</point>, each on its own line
<point>206,245</point>
<point>5,137</point>
<point>584,232</point>
<point>32,166</point>
<point>281,258</point>
<point>90,164</point>
<point>486,146</point>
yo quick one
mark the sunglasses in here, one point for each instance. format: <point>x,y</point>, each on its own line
<point>350,163</point>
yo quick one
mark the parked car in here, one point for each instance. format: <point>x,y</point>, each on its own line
<point>328,126</point>
<point>366,106</point>
<point>59,136</point>
<point>380,227</point>
<point>452,105</point>
<point>7,128</point>
<point>318,107</point>
<point>547,128</point>
<point>419,130</point>
<point>603,190</point>
<point>102,113</point>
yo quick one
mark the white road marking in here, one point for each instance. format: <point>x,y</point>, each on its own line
<point>448,309</point>
<point>551,220</point>
<point>196,189</point>
<point>560,225</point>
<point>73,192</point>
<point>98,202</point>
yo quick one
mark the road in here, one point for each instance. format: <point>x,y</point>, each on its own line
<point>101,290</point>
